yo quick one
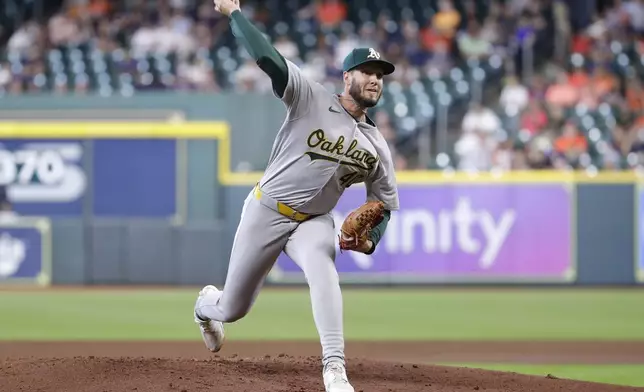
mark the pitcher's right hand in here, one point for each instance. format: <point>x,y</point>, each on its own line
<point>226,7</point>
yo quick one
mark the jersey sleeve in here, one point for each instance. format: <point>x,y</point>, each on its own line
<point>382,186</point>
<point>299,91</point>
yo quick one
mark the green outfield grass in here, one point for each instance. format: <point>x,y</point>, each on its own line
<point>631,375</point>
<point>369,315</point>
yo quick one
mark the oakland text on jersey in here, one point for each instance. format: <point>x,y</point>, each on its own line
<point>360,158</point>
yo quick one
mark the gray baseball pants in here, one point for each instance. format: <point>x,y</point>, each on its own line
<point>261,235</point>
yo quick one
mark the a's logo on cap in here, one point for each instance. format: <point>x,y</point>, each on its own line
<point>373,54</point>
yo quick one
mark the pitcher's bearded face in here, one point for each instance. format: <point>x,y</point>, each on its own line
<point>366,85</point>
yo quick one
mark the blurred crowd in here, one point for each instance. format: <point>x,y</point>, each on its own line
<point>581,108</point>
<point>568,92</point>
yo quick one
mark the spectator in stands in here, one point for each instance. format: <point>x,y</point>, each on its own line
<point>582,43</point>
<point>588,97</point>
<point>502,156</point>
<point>179,22</point>
<point>64,30</point>
<point>330,13</point>
<point>249,77</point>
<point>387,29</point>
<point>505,21</point>
<point>196,51</point>
<point>94,9</point>
<point>471,44</point>
<point>104,40</point>
<point>413,48</point>
<point>562,93</point>
<point>603,82</point>
<point>24,38</point>
<point>537,87</point>
<point>635,10</point>
<point>447,20</point>
<point>519,160</point>
<point>171,37</point>
<point>287,47</point>
<point>214,20</point>
<point>481,119</point>
<point>346,43</point>
<point>430,37</point>
<point>490,32</point>
<point>516,7</point>
<point>475,149</point>
<point>144,39</point>
<point>479,139</point>
<point>534,119</point>
<point>385,126</point>
<point>622,140</point>
<point>618,18</point>
<point>578,77</point>
<point>514,96</point>
<point>367,35</point>
<point>203,36</point>
<point>540,152</point>
<point>314,66</point>
<point>196,74</point>
<point>571,144</point>
<point>634,95</point>
<point>406,74</point>
<point>440,61</point>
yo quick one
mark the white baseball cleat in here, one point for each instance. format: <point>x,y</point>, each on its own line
<point>212,331</point>
<point>335,378</point>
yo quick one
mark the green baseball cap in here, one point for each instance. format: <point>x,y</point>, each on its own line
<point>361,56</point>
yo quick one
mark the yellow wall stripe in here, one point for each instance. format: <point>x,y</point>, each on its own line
<point>221,132</point>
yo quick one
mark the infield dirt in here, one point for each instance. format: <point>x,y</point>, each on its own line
<point>295,366</point>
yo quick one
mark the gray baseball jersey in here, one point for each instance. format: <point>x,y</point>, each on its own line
<point>321,150</point>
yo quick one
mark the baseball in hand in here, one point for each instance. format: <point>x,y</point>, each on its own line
<point>226,7</point>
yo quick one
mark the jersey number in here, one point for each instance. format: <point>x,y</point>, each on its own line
<point>352,178</point>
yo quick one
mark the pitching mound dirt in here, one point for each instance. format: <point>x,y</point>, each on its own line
<point>269,374</point>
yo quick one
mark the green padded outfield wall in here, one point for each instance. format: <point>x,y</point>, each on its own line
<point>164,210</point>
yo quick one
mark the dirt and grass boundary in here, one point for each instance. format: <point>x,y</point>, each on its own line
<point>273,366</point>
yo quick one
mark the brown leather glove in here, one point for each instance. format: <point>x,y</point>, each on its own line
<point>355,229</point>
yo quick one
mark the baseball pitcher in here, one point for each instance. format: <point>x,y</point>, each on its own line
<point>326,144</point>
